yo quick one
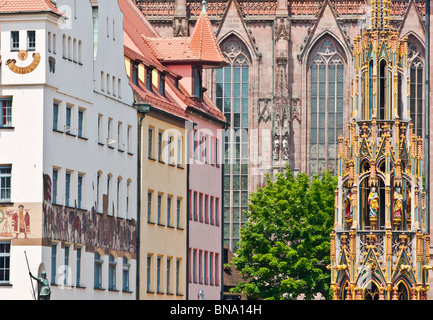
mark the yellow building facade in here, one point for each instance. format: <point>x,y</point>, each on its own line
<point>162,169</point>
<point>163,208</point>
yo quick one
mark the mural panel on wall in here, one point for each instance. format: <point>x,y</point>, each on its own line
<point>15,222</point>
<point>86,227</point>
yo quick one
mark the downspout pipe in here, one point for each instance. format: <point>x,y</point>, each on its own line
<point>221,258</point>
<point>142,110</point>
<point>189,127</point>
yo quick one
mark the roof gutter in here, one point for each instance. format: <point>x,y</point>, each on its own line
<point>193,109</point>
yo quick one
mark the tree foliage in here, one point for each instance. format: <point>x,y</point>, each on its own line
<point>285,245</point>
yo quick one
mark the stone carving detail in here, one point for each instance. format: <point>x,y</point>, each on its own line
<point>180,27</point>
<point>264,112</point>
<point>282,100</point>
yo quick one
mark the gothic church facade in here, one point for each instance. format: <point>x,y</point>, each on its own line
<point>286,92</point>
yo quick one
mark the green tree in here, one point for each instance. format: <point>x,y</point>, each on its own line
<point>285,245</point>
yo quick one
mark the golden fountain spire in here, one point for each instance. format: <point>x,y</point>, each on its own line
<point>380,14</point>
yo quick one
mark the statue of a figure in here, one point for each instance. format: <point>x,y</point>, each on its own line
<point>409,208</point>
<point>373,202</point>
<point>45,292</point>
<point>348,204</point>
<point>201,295</point>
<point>276,147</point>
<point>398,204</point>
<point>286,147</point>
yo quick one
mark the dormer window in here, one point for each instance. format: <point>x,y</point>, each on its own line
<point>198,92</point>
<point>149,79</point>
<point>135,74</point>
<point>162,84</point>
<point>31,40</point>
<point>15,40</point>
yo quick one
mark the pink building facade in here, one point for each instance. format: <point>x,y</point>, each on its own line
<point>205,196</point>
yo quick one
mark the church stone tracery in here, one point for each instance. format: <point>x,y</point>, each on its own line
<point>283,44</point>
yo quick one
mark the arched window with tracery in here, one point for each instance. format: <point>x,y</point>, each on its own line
<point>232,89</point>
<point>371,292</point>
<point>416,76</point>
<point>326,76</point>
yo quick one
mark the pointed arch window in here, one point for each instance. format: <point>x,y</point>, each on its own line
<point>416,76</point>
<point>371,292</point>
<point>326,76</point>
<point>232,91</point>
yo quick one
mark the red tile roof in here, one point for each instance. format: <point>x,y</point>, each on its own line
<point>171,49</point>
<point>28,6</point>
<point>154,51</point>
<point>158,102</point>
<point>201,47</point>
<point>207,106</point>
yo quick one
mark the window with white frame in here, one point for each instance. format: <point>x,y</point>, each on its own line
<point>81,123</point>
<point>5,256</point>
<point>98,271</point>
<point>111,273</point>
<point>98,189</point>
<point>15,40</point>
<point>5,183</point>
<point>110,141</point>
<point>128,140</point>
<point>118,194</point>
<point>53,263</point>
<point>55,184</point>
<point>67,188</point>
<point>49,42</point>
<point>108,194</point>
<point>120,144</point>
<point>66,266</point>
<point>5,113</point>
<point>80,191</point>
<point>68,127</point>
<point>55,115</point>
<point>179,151</point>
<point>31,40</point>
<point>78,268</point>
<point>128,187</point>
<point>54,43</point>
<point>100,129</point>
<point>125,274</point>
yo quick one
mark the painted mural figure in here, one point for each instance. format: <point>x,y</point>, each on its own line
<point>45,291</point>
<point>373,202</point>
<point>398,204</point>
<point>21,222</point>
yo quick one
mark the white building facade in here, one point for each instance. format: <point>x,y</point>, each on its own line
<point>68,170</point>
